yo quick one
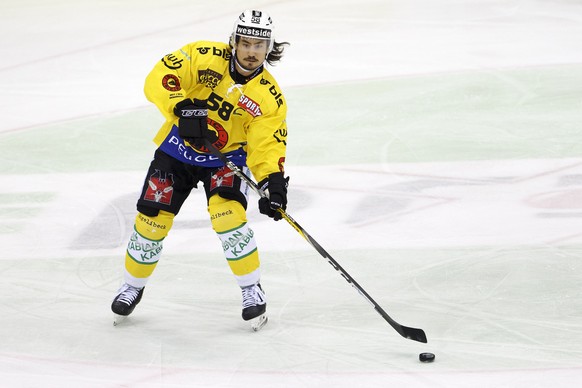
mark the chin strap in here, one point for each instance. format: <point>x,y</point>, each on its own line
<point>235,67</point>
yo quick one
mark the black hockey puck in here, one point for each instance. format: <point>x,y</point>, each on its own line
<point>426,357</point>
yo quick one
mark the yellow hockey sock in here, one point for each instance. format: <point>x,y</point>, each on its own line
<point>145,246</point>
<point>229,221</point>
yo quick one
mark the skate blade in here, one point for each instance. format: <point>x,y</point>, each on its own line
<point>259,322</point>
<point>117,319</point>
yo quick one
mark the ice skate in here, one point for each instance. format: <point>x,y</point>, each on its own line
<point>124,302</point>
<point>254,306</point>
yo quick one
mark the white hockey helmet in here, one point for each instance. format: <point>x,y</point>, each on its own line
<point>254,24</point>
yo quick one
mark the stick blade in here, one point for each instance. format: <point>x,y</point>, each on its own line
<point>413,334</point>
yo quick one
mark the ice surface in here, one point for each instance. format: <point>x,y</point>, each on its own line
<point>435,151</point>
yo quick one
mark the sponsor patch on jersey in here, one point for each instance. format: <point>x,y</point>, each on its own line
<point>171,83</point>
<point>281,135</point>
<point>172,62</point>
<point>210,78</point>
<point>250,106</point>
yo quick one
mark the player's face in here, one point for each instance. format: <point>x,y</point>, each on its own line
<point>251,53</point>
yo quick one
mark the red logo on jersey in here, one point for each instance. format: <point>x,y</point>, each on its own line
<point>160,188</point>
<point>171,82</point>
<point>250,106</point>
<point>222,178</point>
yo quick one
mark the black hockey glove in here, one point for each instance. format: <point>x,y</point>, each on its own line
<point>192,123</point>
<point>276,184</point>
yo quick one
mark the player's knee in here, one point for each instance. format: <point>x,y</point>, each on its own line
<point>154,228</point>
<point>225,214</point>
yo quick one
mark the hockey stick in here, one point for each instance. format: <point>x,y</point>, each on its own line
<point>407,332</point>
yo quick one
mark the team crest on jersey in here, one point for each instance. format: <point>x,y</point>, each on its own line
<point>224,177</point>
<point>160,188</point>
<point>210,78</point>
<point>250,106</point>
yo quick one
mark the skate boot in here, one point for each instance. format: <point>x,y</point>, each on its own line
<point>254,306</point>
<point>125,301</point>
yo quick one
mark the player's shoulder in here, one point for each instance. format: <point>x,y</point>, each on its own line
<point>270,89</point>
<point>267,77</point>
<point>208,48</point>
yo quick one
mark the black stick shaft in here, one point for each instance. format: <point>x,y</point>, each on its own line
<point>406,332</point>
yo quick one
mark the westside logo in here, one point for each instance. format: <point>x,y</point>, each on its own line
<point>253,32</point>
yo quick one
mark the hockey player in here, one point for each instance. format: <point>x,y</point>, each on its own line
<point>221,93</point>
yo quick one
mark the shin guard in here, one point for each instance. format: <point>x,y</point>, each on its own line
<point>145,247</point>
<point>229,221</point>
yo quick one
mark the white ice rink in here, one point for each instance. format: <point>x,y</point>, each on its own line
<point>435,150</point>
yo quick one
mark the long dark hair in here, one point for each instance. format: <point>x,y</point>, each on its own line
<point>277,53</point>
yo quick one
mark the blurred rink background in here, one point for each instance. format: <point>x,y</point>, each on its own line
<point>435,150</point>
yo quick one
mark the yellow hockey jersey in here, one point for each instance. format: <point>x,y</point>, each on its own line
<point>249,116</point>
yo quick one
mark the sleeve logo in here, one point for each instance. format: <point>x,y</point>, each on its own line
<point>171,82</point>
<point>172,62</point>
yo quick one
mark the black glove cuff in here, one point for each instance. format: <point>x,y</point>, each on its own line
<point>275,182</point>
<point>278,180</point>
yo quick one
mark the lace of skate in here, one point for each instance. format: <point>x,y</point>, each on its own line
<point>128,294</point>
<point>252,296</point>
